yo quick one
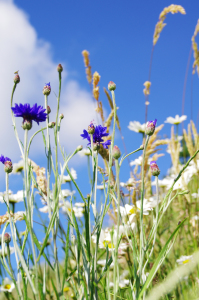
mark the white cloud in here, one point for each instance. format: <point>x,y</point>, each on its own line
<point>22,50</point>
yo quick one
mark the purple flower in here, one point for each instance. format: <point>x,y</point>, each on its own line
<point>4,159</point>
<point>150,127</point>
<point>99,133</point>
<point>29,114</point>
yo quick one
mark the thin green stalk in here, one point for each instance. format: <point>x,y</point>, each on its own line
<point>141,213</point>
<point>56,191</point>
<point>116,278</point>
<point>13,121</point>
<point>11,270</point>
<point>13,233</point>
<point>156,222</point>
<point>27,188</point>
<point>91,136</point>
<point>95,214</point>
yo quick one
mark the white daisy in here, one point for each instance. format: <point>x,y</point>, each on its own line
<point>177,120</point>
<point>7,286</point>
<point>184,259</point>
<point>137,127</point>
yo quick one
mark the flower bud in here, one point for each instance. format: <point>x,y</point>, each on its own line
<point>154,168</point>
<point>61,116</point>
<point>91,128</point>
<point>96,146</point>
<point>47,89</point>
<point>48,110</point>
<point>111,86</point>
<point>142,147</point>
<point>8,166</point>
<point>150,127</point>
<point>27,124</point>
<point>79,148</point>
<point>116,152</point>
<point>16,78</point>
<point>7,238</point>
<point>51,124</point>
<point>59,68</point>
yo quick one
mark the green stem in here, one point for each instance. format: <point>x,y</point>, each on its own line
<point>29,209</point>
<point>116,280</point>
<point>11,270</point>
<point>95,214</point>
<point>13,234</point>
<point>141,213</point>
<point>13,121</point>
<point>141,148</point>
<point>91,136</point>
<point>56,194</point>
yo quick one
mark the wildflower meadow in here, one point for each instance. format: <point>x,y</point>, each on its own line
<point>109,239</point>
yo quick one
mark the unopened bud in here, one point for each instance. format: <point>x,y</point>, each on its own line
<point>79,148</point>
<point>142,147</point>
<point>8,166</point>
<point>48,110</point>
<point>111,86</point>
<point>116,152</point>
<point>47,89</point>
<point>61,116</point>
<point>96,146</point>
<point>51,124</point>
<point>150,127</point>
<point>27,124</point>
<point>7,238</point>
<point>59,68</point>
<point>184,192</point>
<point>16,78</point>
<point>154,168</point>
<point>91,128</point>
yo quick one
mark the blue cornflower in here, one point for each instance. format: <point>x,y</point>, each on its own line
<point>29,114</point>
<point>7,164</point>
<point>4,159</point>
<point>99,133</point>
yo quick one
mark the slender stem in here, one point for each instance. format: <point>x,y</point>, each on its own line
<point>95,214</point>
<point>141,213</point>
<point>141,148</point>
<point>13,121</point>
<point>156,222</point>
<point>11,270</point>
<point>56,191</point>
<point>118,226</point>
<point>91,136</point>
<point>13,233</point>
<point>29,206</point>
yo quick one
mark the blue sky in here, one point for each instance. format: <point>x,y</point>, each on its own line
<point>118,35</point>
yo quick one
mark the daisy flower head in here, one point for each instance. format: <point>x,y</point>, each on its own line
<point>98,135</point>
<point>7,286</point>
<point>177,120</point>
<point>29,114</point>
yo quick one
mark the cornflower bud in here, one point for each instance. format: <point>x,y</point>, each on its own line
<point>59,68</point>
<point>111,86</point>
<point>150,127</point>
<point>7,238</point>
<point>16,78</point>
<point>154,168</point>
<point>61,116</point>
<point>48,110</point>
<point>8,166</point>
<point>27,124</point>
<point>96,146</point>
<point>91,128</point>
<point>47,89</point>
<point>51,124</point>
<point>79,148</point>
<point>116,152</point>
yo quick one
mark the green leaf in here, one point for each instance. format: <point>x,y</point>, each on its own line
<point>37,242</point>
<point>159,260</point>
<point>66,256</point>
<point>55,290</point>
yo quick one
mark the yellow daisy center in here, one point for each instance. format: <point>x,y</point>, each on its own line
<point>186,261</point>
<point>133,210</point>
<point>66,289</point>
<point>7,287</point>
<point>108,243</point>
